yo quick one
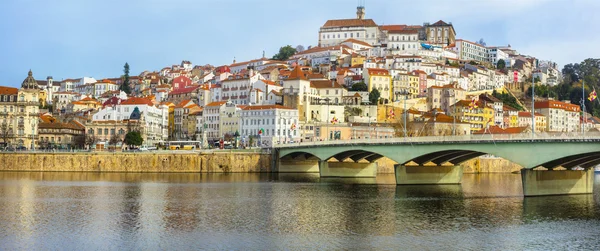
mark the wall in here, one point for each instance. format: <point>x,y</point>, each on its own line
<point>139,162</point>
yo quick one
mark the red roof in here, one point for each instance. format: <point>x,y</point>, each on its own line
<point>137,101</point>
<point>375,71</point>
<point>8,90</point>
<point>297,74</point>
<point>350,23</point>
<point>218,103</point>
<point>184,90</point>
<point>557,105</point>
<point>354,41</point>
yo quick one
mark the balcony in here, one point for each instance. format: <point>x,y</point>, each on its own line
<point>234,88</point>
<point>234,97</point>
<point>243,96</point>
<point>243,88</point>
<point>225,89</point>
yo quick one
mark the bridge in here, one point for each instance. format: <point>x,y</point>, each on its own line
<point>552,164</point>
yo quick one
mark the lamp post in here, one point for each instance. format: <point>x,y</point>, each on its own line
<point>404,93</point>
<point>532,107</point>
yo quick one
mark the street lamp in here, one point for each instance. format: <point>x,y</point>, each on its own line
<point>404,93</point>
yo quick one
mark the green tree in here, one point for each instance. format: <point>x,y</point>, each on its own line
<point>125,85</point>
<point>134,138</point>
<point>359,87</point>
<point>374,96</point>
<point>501,64</point>
<point>285,53</point>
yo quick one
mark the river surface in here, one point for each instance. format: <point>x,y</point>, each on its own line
<point>118,211</point>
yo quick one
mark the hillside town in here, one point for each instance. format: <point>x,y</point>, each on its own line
<point>360,80</point>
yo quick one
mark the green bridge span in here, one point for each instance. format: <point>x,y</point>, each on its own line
<point>551,165</point>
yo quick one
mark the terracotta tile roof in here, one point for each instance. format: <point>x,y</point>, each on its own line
<point>322,84</point>
<point>269,82</point>
<point>276,93</point>
<point>375,71</point>
<point>137,101</point>
<point>350,23</point>
<point>184,90</point>
<point>439,23</point>
<point>265,107</point>
<point>8,90</point>
<point>248,62</point>
<point>315,76</point>
<point>320,49</point>
<point>553,104</point>
<point>355,41</point>
<point>183,103</point>
<point>217,103</point>
<point>297,74</point>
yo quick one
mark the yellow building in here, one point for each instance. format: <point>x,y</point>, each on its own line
<point>475,113</point>
<point>357,59</point>
<point>19,114</point>
<point>83,105</point>
<point>171,117</point>
<point>381,80</point>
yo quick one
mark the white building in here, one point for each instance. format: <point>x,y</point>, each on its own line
<point>334,32</point>
<point>155,118</point>
<point>494,54</point>
<point>270,124</point>
<point>560,116</point>
<point>468,50</point>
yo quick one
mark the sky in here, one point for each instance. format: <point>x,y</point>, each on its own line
<point>94,38</point>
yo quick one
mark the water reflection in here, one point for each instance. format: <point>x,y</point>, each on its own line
<point>285,211</point>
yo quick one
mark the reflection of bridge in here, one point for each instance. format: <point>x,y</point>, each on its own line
<point>567,161</point>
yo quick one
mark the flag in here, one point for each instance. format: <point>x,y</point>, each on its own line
<point>334,120</point>
<point>261,131</point>
<point>473,104</point>
<point>592,96</point>
<point>391,115</point>
<point>293,127</point>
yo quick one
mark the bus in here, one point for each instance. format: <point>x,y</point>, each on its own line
<point>183,145</point>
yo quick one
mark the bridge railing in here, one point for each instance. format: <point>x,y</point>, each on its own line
<point>462,138</point>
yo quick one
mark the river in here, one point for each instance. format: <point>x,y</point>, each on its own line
<point>131,211</point>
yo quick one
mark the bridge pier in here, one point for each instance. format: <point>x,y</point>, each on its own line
<point>559,182</point>
<point>348,169</point>
<point>299,166</point>
<point>428,175</point>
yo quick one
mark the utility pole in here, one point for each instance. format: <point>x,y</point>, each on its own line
<point>532,107</point>
<point>583,107</point>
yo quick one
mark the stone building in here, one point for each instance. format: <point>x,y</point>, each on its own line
<point>19,113</point>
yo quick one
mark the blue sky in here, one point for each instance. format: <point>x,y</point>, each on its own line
<point>94,38</point>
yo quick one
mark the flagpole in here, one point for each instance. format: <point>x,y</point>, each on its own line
<point>583,106</point>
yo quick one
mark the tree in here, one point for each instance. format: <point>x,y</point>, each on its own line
<point>90,140</point>
<point>6,131</point>
<point>501,64</point>
<point>481,42</point>
<point>374,96</point>
<point>285,53</point>
<point>299,48</point>
<point>125,85</point>
<point>359,87</point>
<point>114,140</point>
<point>79,141</point>
<point>134,138</point>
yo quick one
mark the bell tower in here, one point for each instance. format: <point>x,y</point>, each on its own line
<point>360,11</point>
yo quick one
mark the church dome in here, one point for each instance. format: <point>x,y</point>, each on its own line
<point>29,82</point>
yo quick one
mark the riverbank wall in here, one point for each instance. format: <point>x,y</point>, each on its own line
<point>168,162</point>
<point>199,162</point>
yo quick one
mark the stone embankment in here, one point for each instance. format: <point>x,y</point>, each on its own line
<point>174,162</point>
<point>167,162</point>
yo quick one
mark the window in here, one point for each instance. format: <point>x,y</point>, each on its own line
<point>99,131</point>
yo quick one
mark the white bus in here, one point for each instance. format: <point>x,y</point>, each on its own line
<point>183,145</point>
